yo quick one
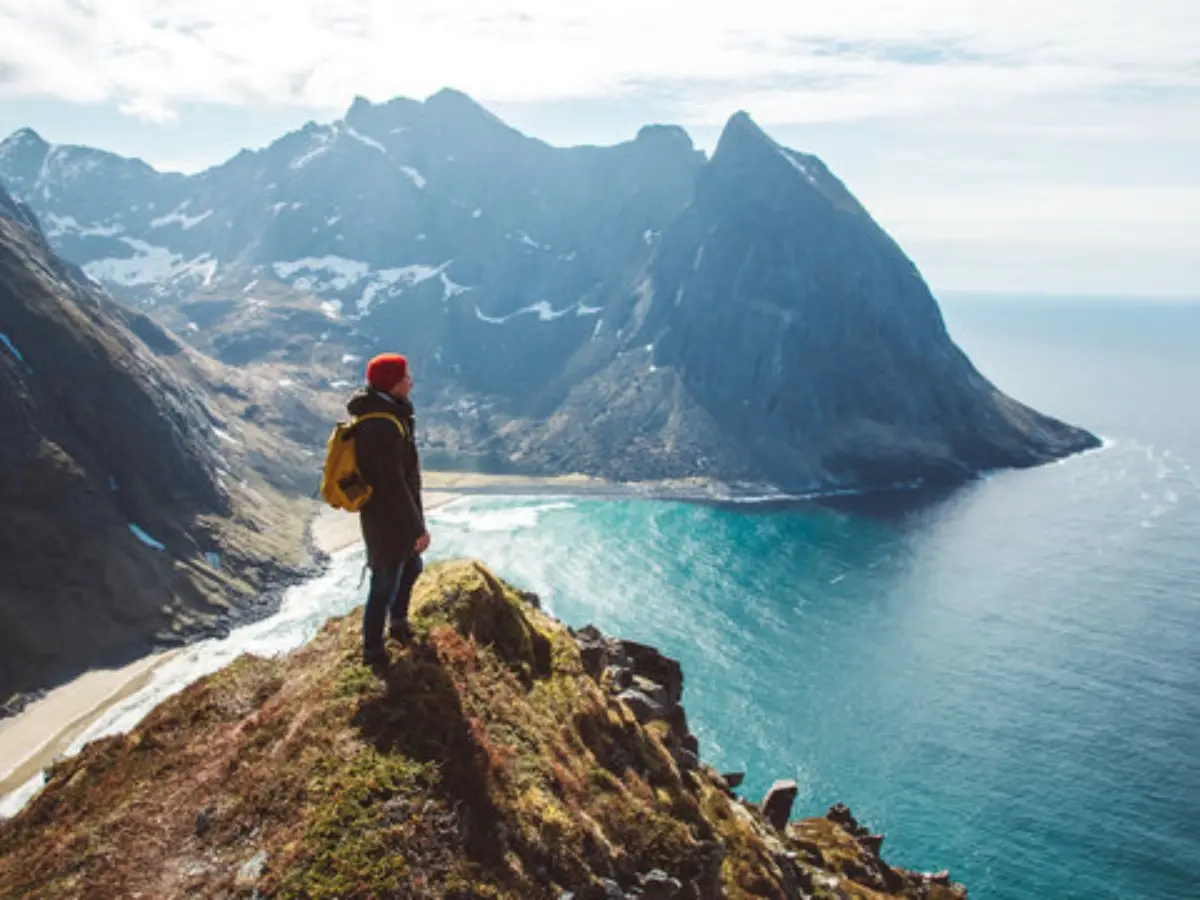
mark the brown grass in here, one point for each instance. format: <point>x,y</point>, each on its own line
<point>485,764</point>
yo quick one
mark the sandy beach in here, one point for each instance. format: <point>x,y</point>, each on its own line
<point>31,740</point>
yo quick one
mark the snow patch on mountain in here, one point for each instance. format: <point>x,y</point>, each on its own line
<point>385,281</point>
<point>178,216</point>
<point>414,176</point>
<point>60,225</point>
<point>321,142</point>
<point>525,239</point>
<point>12,348</point>
<point>150,264</point>
<point>341,272</point>
<point>146,539</point>
<point>543,310</point>
<point>450,288</point>
<point>363,139</point>
<point>799,167</point>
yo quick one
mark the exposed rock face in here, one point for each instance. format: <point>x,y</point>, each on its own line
<point>777,805</point>
<point>832,362</point>
<point>487,762</point>
<point>110,493</point>
<point>636,311</point>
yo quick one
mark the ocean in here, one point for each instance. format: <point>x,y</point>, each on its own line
<point>1001,679</point>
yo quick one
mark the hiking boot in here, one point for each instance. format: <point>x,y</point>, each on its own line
<point>401,633</point>
<point>376,659</point>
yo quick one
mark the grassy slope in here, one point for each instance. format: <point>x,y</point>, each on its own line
<point>488,764</point>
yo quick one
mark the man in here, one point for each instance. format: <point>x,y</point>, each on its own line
<point>393,520</point>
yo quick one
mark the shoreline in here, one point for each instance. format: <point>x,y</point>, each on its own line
<point>31,739</point>
<point>331,530</point>
<point>47,725</point>
<point>34,737</point>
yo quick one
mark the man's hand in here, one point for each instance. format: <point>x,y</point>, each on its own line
<point>422,543</point>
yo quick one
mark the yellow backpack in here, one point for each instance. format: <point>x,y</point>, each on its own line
<point>342,484</point>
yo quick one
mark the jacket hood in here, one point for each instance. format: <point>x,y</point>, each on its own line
<point>368,400</point>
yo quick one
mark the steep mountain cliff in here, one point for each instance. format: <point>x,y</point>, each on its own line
<point>502,756</point>
<point>121,524</point>
<point>636,311</point>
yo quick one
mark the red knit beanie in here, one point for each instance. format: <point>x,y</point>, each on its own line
<point>386,371</point>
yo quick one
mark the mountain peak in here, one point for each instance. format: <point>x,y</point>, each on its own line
<point>451,95</point>
<point>24,135</point>
<point>460,106</point>
<point>24,142</point>
<point>394,114</point>
<point>358,106</point>
<point>665,134</point>
<point>746,155</point>
<point>743,130</point>
<point>746,151</point>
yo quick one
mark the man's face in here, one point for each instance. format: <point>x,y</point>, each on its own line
<point>403,386</point>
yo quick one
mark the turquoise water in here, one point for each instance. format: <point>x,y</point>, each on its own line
<point>1003,680</point>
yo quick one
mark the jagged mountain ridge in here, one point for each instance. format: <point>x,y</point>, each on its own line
<point>637,311</point>
<point>116,498</point>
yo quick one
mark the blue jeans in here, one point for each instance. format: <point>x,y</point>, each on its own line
<point>390,593</point>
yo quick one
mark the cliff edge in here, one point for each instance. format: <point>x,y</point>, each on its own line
<point>502,755</point>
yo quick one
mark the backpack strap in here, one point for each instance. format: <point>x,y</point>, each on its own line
<point>380,415</point>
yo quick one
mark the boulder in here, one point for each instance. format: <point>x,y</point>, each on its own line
<point>619,677</point>
<point>650,663</point>
<point>645,709</point>
<point>652,689</point>
<point>840,814</point>
<point>593,648</point>
<point>658,885</point>
<point>872,843</point>
<point>777,805</point>
<point>688,761</point>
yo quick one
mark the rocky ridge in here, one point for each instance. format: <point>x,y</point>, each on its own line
<point>501,755</point>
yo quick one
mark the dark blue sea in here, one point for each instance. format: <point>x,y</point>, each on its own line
<point>1004,680</point>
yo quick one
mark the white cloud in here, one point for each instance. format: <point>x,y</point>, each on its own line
<point>988,112</point>
<point>788,62</point>
<point>151,109</point>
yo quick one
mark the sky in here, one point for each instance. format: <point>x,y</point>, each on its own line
<point>1007,145</point>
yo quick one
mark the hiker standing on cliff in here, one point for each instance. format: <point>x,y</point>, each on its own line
<point>393,520</point>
